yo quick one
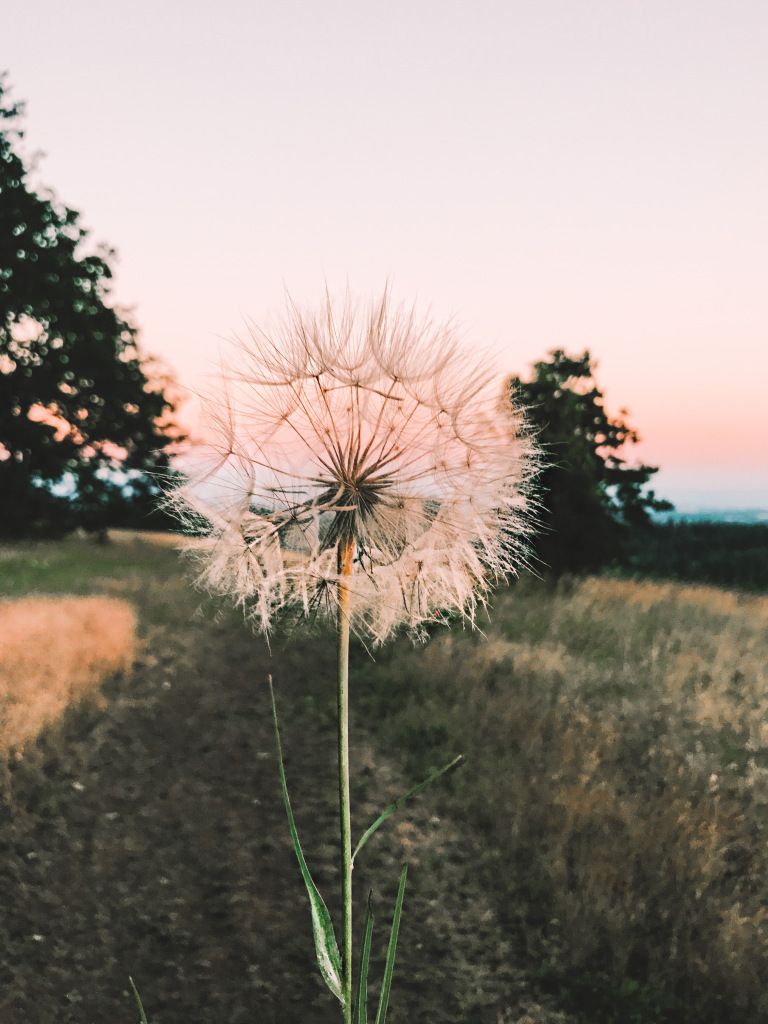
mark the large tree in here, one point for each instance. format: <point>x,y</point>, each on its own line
<point>593,502</point>
<point>84,420</point>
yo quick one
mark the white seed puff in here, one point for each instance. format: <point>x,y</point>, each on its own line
<point>365,426</point>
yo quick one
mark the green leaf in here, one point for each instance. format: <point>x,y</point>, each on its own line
<point>390,810</point>
<point>389,967</point>
<point>326,947</point>
<point>362,988</point>
<point>137,997</point>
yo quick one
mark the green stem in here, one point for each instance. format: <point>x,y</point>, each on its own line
<point>346,553</point>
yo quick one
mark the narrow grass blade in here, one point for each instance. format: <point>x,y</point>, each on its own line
<point>139,1007</point>
<point>390,810</point>
<point>389,967</point>
<point>365,956</point>
<point>326,947</point>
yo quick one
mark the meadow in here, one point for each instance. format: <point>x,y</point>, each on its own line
<point>601,856</point>
<point>616,735</point>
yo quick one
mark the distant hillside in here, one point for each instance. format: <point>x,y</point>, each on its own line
<point>746,516</point>
<point>704,549</point>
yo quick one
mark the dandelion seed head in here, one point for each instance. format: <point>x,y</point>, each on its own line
<point>371,428</point>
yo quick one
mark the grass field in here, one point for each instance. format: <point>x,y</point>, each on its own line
<point>600,858</point>
<point>54,653</point>
<point>617,746</point>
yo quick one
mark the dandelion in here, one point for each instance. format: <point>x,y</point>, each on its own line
<point>363,467</point>
<point>364,446</point>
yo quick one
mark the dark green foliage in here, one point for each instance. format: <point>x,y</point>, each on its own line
<point>592,501</point>
<point>82,422</point>
<point>726,554</point>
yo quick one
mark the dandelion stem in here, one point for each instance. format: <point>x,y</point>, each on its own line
<point>346,554</point>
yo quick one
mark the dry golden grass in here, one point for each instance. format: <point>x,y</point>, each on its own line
<point>55,651</point>
<point>155,537</point>
<point>617,743</point>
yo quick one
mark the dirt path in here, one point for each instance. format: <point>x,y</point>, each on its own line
<point>148,838</point>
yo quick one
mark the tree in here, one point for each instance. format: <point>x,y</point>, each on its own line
<point>593,503</point>
<point>84,418</point>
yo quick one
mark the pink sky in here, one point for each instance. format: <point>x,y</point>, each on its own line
<point>588,174</point>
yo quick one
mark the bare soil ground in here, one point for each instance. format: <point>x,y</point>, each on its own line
<point>147,837</point>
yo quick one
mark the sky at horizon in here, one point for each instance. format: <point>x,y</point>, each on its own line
<point>554,174</point>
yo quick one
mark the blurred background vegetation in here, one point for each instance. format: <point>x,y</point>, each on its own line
<point>86,420</point>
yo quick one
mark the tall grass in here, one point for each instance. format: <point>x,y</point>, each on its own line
<point>617,746</point>
<point>55,652</point>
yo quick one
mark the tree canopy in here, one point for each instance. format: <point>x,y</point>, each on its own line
<point>84,417</point>
<point>593,501</point>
